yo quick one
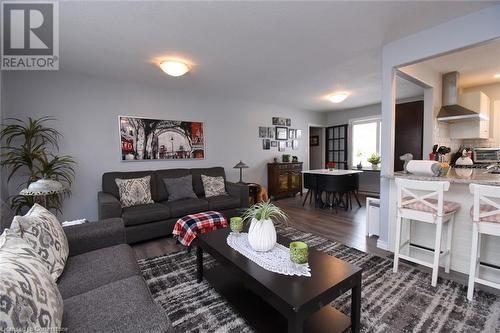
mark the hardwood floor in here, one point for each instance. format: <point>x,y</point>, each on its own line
<point>346,227</point>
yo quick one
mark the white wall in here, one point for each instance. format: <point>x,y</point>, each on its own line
<point>88,107</point>
<point>478,27</point>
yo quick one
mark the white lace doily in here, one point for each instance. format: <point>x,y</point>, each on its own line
<point>276,260</point>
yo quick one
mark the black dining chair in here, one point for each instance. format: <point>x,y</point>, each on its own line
<point>338,190</point>
<point>310,186</point>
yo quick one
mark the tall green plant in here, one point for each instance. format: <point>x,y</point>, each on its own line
<point>29,150</point>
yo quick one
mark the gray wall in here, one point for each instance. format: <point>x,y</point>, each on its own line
<point>317,153</point>
<point>340,117</point>
<point>87,110</point>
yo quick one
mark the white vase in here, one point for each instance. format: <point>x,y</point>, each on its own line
<point>262,235</point>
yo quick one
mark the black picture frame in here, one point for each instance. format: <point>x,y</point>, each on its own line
<point>281,133</point>
<point>314,140</point>
<point>266,144</point>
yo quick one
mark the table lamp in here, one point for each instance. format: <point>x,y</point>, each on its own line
<point>43,188</point>
<point>241,166</point>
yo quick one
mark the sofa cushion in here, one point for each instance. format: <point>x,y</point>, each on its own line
<point>109,184</point>
<point>197,182</point>
<point>135,191</point>
<point>91,270</point>
<point>29,298</point>
<point>161,193</point>
<point>223,202</point>
<point>213,186</point>
<point>184,207</point>
<point>121,306</point>
<point>43,232</point>
<point>179,188</point>
<point>145,213</point>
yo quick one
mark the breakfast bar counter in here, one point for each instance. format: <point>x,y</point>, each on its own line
<point>422,234</point>
<point>456,176</point>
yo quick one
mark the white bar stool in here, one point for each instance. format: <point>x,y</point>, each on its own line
<point>485,215</point>
<point>424,201</point>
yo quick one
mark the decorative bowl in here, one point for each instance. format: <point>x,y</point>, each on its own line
<point>299,252</point>
<point>236,224</point>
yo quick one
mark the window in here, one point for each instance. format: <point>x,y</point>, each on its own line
<point>366,137</point>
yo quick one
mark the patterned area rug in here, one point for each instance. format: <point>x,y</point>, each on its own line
<point>402,302</point>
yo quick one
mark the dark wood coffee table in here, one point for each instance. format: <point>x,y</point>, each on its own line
<point>273,302</point>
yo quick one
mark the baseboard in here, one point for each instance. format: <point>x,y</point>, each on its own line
<point>382,245</point>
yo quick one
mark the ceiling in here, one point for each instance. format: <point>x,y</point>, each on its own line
<point>283,53</point>
<point>476,65</point>
<point>406,89</point>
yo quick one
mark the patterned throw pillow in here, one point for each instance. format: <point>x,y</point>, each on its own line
<point>29,298</point>
<point>43,232</point>
<point>135,191</point>
<point>213,186</point>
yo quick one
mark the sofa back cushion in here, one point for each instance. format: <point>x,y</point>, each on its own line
<point>109,184</point>
<point>161,193</point>
<point>198,183</point>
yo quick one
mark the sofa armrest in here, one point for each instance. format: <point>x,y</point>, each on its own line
<point>239,191</point>
<point>108,206</point>
<point>94,235</point>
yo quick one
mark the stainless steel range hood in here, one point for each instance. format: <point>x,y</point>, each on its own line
<point>451,109</point>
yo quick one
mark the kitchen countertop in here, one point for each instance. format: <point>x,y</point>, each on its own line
<point>456,176</point>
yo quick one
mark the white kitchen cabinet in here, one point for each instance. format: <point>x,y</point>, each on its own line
<point>473,129</point>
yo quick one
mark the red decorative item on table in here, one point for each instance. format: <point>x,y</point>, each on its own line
<point>186,228</point>
<point>330,165</point>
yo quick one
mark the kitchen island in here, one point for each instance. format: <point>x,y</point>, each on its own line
<point>422,234</point>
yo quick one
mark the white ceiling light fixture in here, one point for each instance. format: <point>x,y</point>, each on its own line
<point>337,97</point>
<point>174,67</point>
<point>497,76</point>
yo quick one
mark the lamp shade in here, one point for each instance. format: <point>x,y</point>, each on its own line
<point>43,187</point>
<point>240,165</point>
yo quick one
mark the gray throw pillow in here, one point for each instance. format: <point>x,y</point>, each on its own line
<point>180,188</point>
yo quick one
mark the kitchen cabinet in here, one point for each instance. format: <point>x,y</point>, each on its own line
<point>284,179</point>
<point>473,129</point>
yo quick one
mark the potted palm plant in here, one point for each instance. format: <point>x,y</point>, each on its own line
<point>262,234</point>
<point>28,150</point>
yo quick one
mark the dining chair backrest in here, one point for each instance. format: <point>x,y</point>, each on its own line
<point>410,192</point>
<point>309,181</point>
<point>339,183</point>
<point>488,195</point>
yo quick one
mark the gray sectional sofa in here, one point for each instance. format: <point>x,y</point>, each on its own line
<point>101,285</point>
<point>154,220</point>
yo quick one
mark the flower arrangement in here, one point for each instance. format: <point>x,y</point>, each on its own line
<point>331,165</point>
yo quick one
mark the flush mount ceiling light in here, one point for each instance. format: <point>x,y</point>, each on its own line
<point>174,67</point>
<point>337,97</point>
<point>497,76</point>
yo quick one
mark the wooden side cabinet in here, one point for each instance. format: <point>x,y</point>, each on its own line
<point>284,179</point>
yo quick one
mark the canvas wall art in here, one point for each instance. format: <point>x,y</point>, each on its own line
<point>155,139</point>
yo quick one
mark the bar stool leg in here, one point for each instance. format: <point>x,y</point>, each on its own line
<point>437,252</point>
<point>398,244</point>
<point>449,236</point>
<point>473,261</point>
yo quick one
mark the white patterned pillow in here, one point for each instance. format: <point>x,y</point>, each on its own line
<point>29,298</point>
<point>43,232</point>
<point>135,191</point>
<point>213,186</point>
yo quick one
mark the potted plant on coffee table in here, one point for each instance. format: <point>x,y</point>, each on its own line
<point>262,234</point>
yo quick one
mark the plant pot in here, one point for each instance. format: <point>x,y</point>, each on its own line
<point>374,166</point>
<point>262,235</point>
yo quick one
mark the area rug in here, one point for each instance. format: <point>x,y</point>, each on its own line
<point>401,302</point>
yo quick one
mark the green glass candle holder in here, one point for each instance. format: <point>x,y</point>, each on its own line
<point>299,252</point>
<point>236,224</point>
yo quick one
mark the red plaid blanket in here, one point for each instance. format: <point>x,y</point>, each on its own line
<point>189,226</point>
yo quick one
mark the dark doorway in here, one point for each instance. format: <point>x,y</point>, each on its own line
<point>409,131</point>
